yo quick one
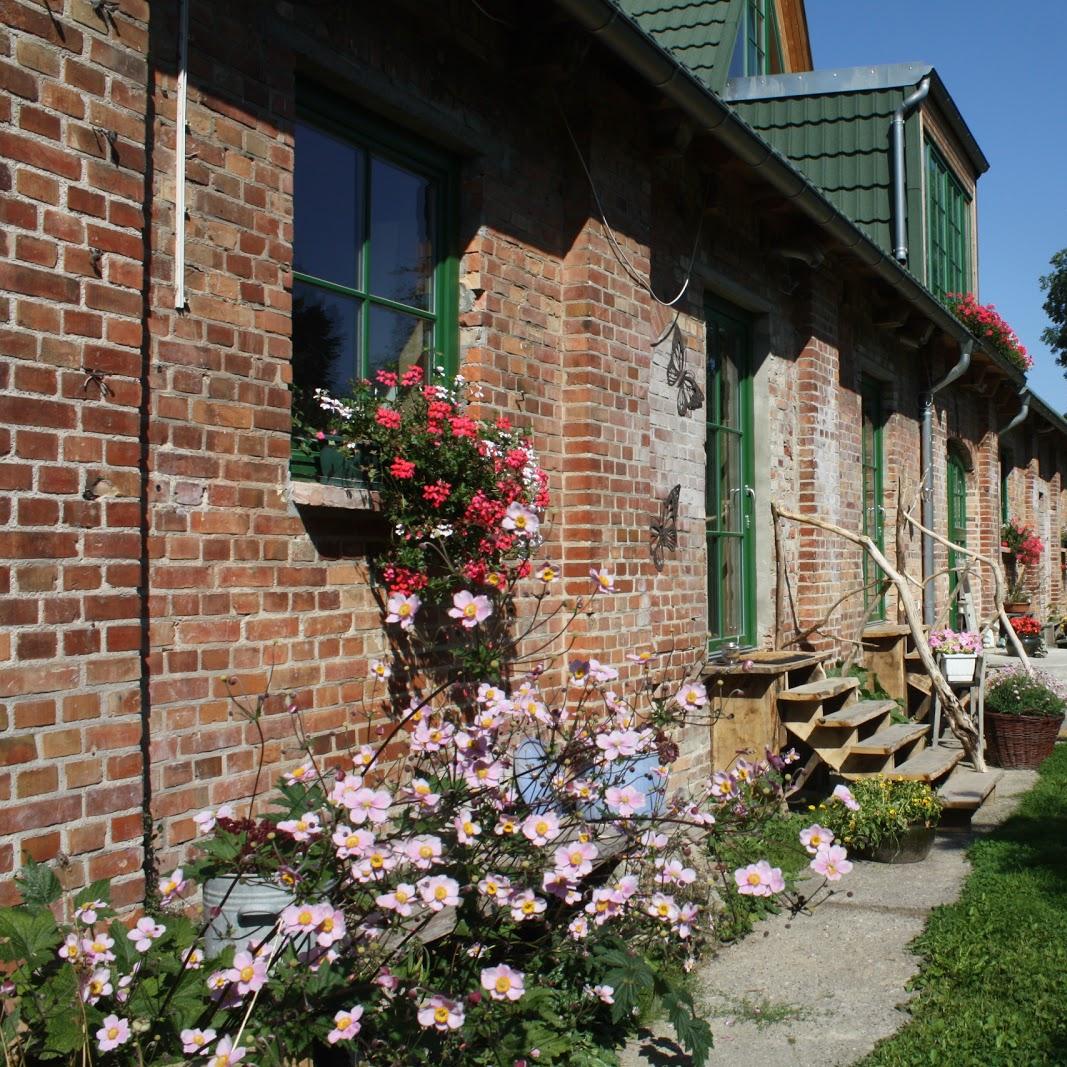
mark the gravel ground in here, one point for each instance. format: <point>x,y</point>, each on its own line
<point>826,988</point>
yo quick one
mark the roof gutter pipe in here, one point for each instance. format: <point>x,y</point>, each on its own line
<point>926,459</point>
<point>1024,396</point>
<point>900,240</point>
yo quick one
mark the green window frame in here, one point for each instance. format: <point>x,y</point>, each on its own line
<point>729,493</point>
<point>378,254</point>
<point>948,209</point>
<point>1006,464</point>
<point>758,47</point>
<point>957,526</point>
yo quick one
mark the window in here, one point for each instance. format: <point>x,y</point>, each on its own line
<point>947,209</point>
<point>374,277</point>
<point>1006,464</point>
<point>758,49</point>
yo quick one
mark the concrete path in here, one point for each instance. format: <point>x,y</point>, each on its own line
<point>826,988</point>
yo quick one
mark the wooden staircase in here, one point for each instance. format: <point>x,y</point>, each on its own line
<point>857,738</point>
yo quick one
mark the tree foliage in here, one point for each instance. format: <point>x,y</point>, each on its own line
<point>1055,285</point>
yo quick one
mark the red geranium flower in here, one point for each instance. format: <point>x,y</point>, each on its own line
<point>402,468</point>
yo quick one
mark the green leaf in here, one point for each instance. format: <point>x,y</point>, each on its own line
<point>632,980</point>
<point>37,883</point>
<point>63,1033</point>
<point>693,1032</point>
<point>27,934</point>
<point>97,891</point>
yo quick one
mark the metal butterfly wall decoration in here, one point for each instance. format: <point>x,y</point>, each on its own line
<point>690,395</point>
<point>665,530</point>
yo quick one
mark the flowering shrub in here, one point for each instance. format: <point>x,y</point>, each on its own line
<point>545,830</point>
<point>878,810</point>
<point>464,496</point>
<point>1021,543</point>
<point>508,873</point>
<point>1012,691</point>
<point>952,642</point>
<point>1026,626</point>
<point>986,324</point>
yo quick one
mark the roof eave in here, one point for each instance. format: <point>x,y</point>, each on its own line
<point>638,50</point>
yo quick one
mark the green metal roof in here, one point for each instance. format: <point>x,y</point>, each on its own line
<point>841,144</point>
<point>699,35</point>
<point>833,125</point>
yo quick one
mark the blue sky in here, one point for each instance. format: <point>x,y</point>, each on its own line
<point>1003,66</point>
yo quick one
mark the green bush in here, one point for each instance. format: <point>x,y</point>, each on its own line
<point>1013,692</point>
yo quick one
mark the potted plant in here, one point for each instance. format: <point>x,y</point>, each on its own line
<point>1028,630</point>
<point>1021,549</point>
<point>959,652</point>
<point>886,819</point>
<point>1023,715</point>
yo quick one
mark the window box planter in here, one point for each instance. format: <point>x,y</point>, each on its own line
<point>959,666</point>
<point>1017,607</point>
<point>329,462</point>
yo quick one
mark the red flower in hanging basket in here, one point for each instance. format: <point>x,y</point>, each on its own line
<point>1026,626</point>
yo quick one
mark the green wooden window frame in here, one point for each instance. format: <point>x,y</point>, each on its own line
<point>1006,464</point>
<point>392,150</point>
<point>948,209</point>
<point>758,47</point>
<point>872,464</point>
<point>730,522</point>
<point>957,525</point>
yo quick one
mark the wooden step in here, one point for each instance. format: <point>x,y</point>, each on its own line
<point>967,790</point>
<point>887,741</point>
<point>920,681</point>
<point>880,631</point>
<point>929,765</point>
<point>813,692</point>
<point>853,715</point>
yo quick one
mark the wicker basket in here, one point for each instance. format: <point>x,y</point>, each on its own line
<point>1018,741</point>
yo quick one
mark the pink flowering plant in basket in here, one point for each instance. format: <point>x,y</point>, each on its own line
<point>501,868</point>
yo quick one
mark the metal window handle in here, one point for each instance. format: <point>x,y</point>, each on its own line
<point>751,494</point>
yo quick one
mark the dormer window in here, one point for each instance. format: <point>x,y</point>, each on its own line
<point>758,49</point>
<point>948,208</point>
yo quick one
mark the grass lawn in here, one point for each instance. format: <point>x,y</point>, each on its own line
<point>993,984</point>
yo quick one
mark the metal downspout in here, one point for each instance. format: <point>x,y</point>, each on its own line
<point>926,457</point>
<point>900,239</point>
<point>1024,396</point>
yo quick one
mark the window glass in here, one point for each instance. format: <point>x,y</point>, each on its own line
<point>373,285</point>
<point>947,210</point>
<point>327,194</point>
<point>401,225</point>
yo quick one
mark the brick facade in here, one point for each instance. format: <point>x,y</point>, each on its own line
<point>155,558</point>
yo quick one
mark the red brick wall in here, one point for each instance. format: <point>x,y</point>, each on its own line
<point>72,182</point>
<point>154,560</point>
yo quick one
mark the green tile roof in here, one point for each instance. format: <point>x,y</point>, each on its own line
<point>841,144</point>
<point>833,125</point>
<point>699,35</point>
